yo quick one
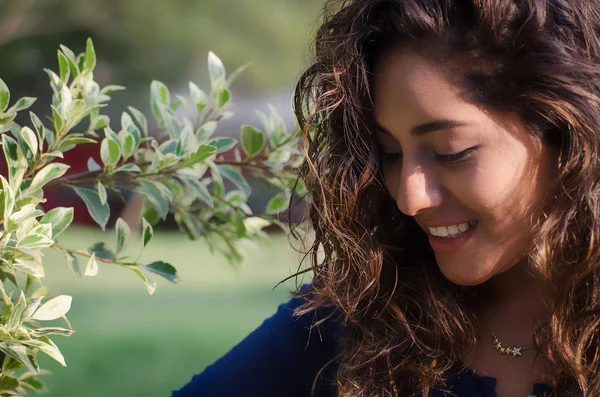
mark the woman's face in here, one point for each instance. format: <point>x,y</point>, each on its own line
<point>472,179</point>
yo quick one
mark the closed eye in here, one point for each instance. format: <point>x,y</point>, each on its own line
<point>444,159</point>
<point>454,158</point>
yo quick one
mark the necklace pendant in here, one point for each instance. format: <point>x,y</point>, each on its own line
<point>516,351</point>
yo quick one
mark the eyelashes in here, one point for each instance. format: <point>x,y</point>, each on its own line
<point>453,158</point>
<point>443,159</point>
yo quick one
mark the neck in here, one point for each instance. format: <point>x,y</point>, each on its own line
<point>513,306</point>
<point>517,291</point>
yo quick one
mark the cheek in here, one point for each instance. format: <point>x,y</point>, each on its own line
<point>495,188</point>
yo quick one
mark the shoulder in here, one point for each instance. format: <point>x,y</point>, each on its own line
<point>283,356</point>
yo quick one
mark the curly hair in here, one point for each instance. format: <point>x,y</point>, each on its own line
<point>406,324</point>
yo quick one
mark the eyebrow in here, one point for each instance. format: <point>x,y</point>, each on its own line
<point>428,127</point>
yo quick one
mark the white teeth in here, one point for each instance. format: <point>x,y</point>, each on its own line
<point>450,231</point>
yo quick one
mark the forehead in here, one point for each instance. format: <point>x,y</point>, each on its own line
<point>409,89</point>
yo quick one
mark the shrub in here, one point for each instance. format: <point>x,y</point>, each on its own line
<point>180,170</point>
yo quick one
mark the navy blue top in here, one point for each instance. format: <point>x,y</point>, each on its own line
<point>282,358</point>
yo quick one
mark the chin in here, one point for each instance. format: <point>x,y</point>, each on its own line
<point>466,277</point>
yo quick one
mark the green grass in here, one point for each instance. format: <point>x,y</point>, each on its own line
<point>130,344</point>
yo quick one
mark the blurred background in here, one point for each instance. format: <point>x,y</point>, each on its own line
<point>126,342</point>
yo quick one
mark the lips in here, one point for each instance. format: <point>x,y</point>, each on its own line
<point>451,242</point>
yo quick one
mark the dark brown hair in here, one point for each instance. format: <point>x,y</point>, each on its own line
<point>407,325</point>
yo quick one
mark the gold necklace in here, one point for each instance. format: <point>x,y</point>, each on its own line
<point>514,350</point>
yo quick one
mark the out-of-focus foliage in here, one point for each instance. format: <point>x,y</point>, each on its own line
<point>167,39</point>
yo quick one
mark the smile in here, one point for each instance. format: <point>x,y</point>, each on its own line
<point>451,231</point>
<point>451,238</point>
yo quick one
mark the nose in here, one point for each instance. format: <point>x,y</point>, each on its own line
<point>417,191</point>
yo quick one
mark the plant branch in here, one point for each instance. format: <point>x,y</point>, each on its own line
<point>83,253</point>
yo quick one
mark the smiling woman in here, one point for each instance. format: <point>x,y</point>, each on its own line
<point>452,161</point>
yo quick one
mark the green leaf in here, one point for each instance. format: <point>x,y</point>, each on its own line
<point>130,128</point>
<point>254,224</point>
<point>200,189</point>
<point>198,96</point>
<point>53,309</point>
<point>6,119</point>
<point>130,167</point>
<point>60,218</point>
<point>30,139</point>
<point>223,144</point>
<point>21,104</point>
<point>147,231</point>
<point>10,365</point>
<point>55,82</point>
<point>253,141</point>
<point>75,139</point>
<point>92,165</point>
<point>32,307</point>
<point>58,121</point>
<point>73,263</point>
<point>202,153</point>
<point>123,232</point>
<point>45,331</point>
<point>91,269</point>
<point>155,196</point>
<point>224,97</point>
<point>216,69</point>
<point>31,267</point>
<point>277,203</point>
<point>49,137</point>
<point>32,383</point>
<point>90,57</point>
<point>15,316</point>
<point>48,173</point>
<point>63,67</point>
<point>19,353</point>
<point>159,99</point>
<point>164,270</point>
<point>235,176</point>
<point>100,251</point>
<point>109,89</point>
<point>4,96</point>
<point>99,122</point>
<point>110,151</point>
<point>127,143</point>
<point>49,348</point>
<point>150,283</point>
<point>8,383</point>
<point>15,159</point>
<point>163,94</point>
<point>140,118</point>
<point>206,130</point>
<point>98,211</point>
<point>104,152</point>
<point>102,193</point>
<point>72,59</point>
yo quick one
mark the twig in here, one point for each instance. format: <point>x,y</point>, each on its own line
<point>83,253</point>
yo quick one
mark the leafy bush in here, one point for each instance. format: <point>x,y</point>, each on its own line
<point>180,170</point>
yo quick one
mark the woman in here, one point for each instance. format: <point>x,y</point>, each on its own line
<point>452,159</point>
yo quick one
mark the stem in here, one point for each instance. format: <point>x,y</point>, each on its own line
<point>83,253</point>
<point>99,175</point>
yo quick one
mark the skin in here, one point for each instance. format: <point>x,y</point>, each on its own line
<point>500,183</point>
